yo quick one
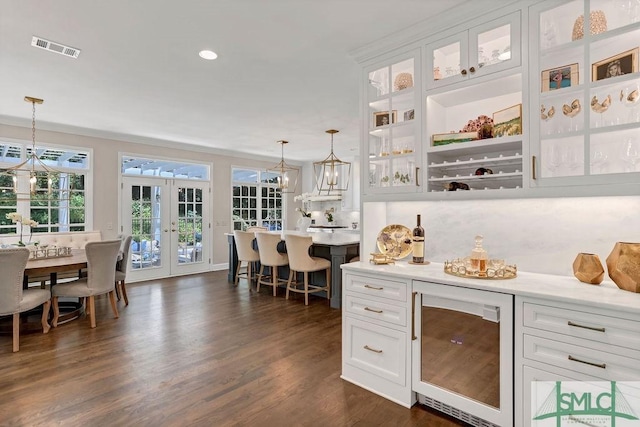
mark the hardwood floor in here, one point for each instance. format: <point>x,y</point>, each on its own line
<point>193,351</point>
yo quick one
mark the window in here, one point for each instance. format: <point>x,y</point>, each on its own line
<point>63,208</point>
<point>256,199</point>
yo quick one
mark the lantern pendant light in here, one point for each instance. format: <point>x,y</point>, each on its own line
<point>287,176</point>
<point>332,174</point>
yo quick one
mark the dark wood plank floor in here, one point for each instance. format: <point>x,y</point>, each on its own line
<point>193,351</point>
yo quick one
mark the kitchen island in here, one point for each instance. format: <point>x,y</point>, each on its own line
<point>339,248</point>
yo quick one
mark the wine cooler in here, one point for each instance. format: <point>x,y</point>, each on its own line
<point>462,348</point>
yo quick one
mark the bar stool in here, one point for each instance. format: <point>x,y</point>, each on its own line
<point>246,253</point>
<point>270,257</point>
<point>301,262</point>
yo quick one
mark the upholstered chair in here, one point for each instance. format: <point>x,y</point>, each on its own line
<point>121,270</point>
<point>246,254</point>
<point>15,300</point>
<point>301,262</point>
<point>101,268</point>
<point>256,228</point>
<point>270,258</point>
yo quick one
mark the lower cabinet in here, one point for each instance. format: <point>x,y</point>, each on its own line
<point>569,342</point>
<point>376,340</point>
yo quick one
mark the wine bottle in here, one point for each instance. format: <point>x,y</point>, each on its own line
<point>418,243</point>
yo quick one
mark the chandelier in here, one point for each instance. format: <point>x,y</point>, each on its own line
<point>287,175</point>
<point>332,174</point>
<point>32,165</point>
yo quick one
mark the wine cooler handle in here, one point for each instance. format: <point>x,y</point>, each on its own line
<point>533,167</point>
<point>417,181</point>
<point>413,316</point>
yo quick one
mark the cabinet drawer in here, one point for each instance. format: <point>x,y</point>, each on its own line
<point>585,360</point>
<point>383,288</point>
<point>376,349</point>
<point>603,329</point>
<point>393,314</point>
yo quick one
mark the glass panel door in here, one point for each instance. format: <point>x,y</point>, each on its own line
<point>189,230</point>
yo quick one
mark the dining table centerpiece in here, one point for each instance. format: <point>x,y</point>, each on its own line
<point>16,218</point>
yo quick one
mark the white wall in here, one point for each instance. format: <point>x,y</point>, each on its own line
<point>107,172</point>
<point>538,235</point>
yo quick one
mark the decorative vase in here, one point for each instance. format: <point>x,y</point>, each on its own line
<point>623,264</point>
<point>588,268</point>
<point>303,223</point>
<point>403,81</point>
<point>597,24</point>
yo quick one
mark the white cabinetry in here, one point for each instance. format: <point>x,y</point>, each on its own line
<point>392,142</point>
<point>592,135</point>
<point>376,336</point>
<point>556,341</point>
<point>483,49</point>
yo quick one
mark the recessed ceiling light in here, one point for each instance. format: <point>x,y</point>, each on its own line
<point>208,54</point>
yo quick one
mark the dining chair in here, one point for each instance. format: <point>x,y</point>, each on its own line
<point>15,300</point>
<point>246,254</point>
<point>121,270</point>
<point>101,262</point>
<point>301,262</point>
<point>271,258</point>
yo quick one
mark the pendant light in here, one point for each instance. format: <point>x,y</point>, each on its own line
<point>332,174</point>
<point>287,176</point>
<point>28,167</point>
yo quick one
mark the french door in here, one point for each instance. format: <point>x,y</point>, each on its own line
<point>170,225</point>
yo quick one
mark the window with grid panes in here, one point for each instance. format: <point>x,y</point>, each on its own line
<point>256,200</point>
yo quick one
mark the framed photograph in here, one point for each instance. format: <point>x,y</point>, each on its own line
<point>558,78</point>
<point>381,118</point>
<point>409,115</point>
<point>508,121</point>
<point>622,63</point>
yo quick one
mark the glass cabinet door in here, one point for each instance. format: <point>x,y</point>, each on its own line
<point>392,138</point>
<point>448,61</point>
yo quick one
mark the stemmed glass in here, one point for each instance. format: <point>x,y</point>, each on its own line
<point>630,97</point>
<point>631,154</point>
<point>555,159</point>
<point>598,161</point>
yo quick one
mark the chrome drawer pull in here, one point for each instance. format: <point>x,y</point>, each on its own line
<point>373,287</point>
<point>372,349</point>
<point>371,309</point>
<point>597,365</point>
<point>570,323</point>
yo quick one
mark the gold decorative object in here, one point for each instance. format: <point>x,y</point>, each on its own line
<point>623,264</point>
<point>546,115</point>
<point>588,268</point>
<point>378,258</point>
<point>395,241</point>
<point>600,107</point>
<point>403,81</point>
<point>497,269</point>
<point>597,24</point>
<point>573,109</point>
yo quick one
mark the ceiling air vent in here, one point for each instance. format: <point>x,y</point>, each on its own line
<point>55,47</point>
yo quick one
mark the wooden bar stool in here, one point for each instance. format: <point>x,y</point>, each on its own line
<point>301,262</point>
<point>270,257</point>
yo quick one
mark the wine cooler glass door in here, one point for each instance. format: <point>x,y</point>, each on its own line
<point>462,351</point>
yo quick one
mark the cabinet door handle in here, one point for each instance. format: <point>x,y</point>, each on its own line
<point>597,365</point>
<point>366,347</point>
<point>577,325</point>
<point>472,69</point>
<point>413,316</point>
<point>417,181</point>
<point>463,72</point>
<point>373,310</point>
<point>373,287</point>
<point>533,167</point>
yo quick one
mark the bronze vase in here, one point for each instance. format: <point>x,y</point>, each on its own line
<point>588,268</point>
<point>623,264</point>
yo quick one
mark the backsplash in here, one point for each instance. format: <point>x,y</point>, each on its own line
<point>538,235</point>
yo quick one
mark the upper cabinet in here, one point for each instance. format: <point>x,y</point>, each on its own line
<point>392,135</point>
<point>487,48</point>
<point>585,110</point>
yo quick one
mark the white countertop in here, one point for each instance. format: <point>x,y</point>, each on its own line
<point>328,239</point>
<point>558,288</point>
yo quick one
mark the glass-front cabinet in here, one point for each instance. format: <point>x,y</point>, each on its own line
<point>393,137</point>
<point>490,47</point>
<point>588,122</point>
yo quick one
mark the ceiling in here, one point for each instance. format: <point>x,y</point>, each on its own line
<point>283,70</point>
